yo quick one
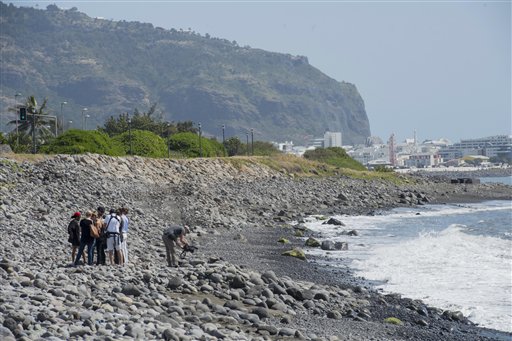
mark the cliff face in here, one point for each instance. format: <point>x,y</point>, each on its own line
<point>113,67</point>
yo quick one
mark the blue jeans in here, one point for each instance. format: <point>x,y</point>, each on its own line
<point>90,251</point>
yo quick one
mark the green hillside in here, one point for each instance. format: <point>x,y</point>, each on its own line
<point>113,67</point>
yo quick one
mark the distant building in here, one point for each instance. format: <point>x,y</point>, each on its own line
<point>285,147</point>
<point>423,160</point>
<point>316,143</point>
<point>486,146</point>
<point>332,139</point>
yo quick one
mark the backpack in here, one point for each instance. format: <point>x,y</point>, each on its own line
<point>95,231</point>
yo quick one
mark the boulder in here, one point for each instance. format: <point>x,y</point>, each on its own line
<point>297,253</point>
<point>327,245</point>
<point>312,242</point>
<point>334,221</point>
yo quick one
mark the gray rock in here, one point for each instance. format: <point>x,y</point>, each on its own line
<point>174,282</point>
<point>286,332</point>
<point>170,335</point>
<point>6,334</point>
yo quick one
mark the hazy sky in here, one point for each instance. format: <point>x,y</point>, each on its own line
<point>442,68</point>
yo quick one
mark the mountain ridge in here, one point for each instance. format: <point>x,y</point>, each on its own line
<point>112,67</point>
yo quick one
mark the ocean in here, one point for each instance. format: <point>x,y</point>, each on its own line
<point>452,256</point>
<point>498,179</point>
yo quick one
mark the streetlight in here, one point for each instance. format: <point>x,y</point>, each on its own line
<point>252,142</point>
<point>130,134</point>
<point>61,115</point>
<point>86,117</point>
<point>33,130</point>
<point>223,140</point>
<point>200,145</point>
<point>17,114</point>
<point>168,140</point>
<point>70,123</point>
<point>83,118</point>
<point>247,144</point>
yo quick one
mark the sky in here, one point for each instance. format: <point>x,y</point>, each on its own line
<point>439,68</point>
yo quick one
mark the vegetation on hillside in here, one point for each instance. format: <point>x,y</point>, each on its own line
<point>191,145</point>
<point>141,142</point>
<point>110,66</point>
<point>335,156</point>
<point>83,141</point>
<point>146,134</point>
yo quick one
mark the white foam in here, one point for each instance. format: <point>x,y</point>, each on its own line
<point>450,270</point>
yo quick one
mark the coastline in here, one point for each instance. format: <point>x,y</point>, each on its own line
<point>237,217</point>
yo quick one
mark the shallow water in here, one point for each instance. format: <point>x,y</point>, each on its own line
<point>455,257</point>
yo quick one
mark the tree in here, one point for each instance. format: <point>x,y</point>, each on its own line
<point>38,122</point>
<point>233,146</point>
<point>149,121</point>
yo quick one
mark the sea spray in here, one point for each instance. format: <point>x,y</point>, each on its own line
<point>455,257</point>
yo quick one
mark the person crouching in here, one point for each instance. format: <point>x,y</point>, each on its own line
<point>174,236</point>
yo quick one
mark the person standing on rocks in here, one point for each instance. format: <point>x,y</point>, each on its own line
<point>102,240</point>
<point>174,236</point>
<point>74,234</point>
<point>113,229</point>
<point>86,239</point>
<point>124,232</point>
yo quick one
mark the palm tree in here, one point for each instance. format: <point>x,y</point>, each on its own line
<point>36,122</point>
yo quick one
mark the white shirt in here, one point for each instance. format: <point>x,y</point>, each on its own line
<point>113,223</point>
<point>125,223</point>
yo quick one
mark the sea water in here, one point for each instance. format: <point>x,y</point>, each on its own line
<point>454,257</point>
<point>497,179</point>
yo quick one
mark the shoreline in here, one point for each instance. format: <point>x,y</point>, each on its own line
<point>338,276</point>
<point>237,216</point>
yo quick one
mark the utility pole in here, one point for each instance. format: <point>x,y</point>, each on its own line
<point>252,142</point>
<point>62,116</point>
<point>223,140</point>
<point>17,114</point>
<point>200,145</point>
<point>247,143</point>
<point>130,133</point>
<point>33,131</point>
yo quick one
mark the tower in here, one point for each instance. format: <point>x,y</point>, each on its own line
<point>391,144</point>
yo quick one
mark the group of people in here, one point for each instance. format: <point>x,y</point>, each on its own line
<point>105,233</point>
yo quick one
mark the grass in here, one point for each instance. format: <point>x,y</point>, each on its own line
<point>300,167</point>
<point>286,164</point>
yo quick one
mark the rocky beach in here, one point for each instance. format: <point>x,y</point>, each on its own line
<point>236,286</point>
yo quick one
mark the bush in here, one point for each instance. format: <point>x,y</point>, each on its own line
<point>143,143</point>
<point>82,141</point>
<point>188,144</point>
<point>335,156</point>
<point>383,169</point>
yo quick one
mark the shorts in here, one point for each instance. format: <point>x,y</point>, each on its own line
<point>114,242</point>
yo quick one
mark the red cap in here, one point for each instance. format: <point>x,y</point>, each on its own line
<point>76,214</point>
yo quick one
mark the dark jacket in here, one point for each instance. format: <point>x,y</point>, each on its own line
<point>85,231</point>
<point>74,232</point>
<point>173,232</point>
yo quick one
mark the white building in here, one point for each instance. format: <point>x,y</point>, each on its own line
<point>332,139</point>
<point>487,146</point>
<point>423,160</point>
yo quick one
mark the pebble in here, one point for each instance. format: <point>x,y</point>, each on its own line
<point>207,297</point>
